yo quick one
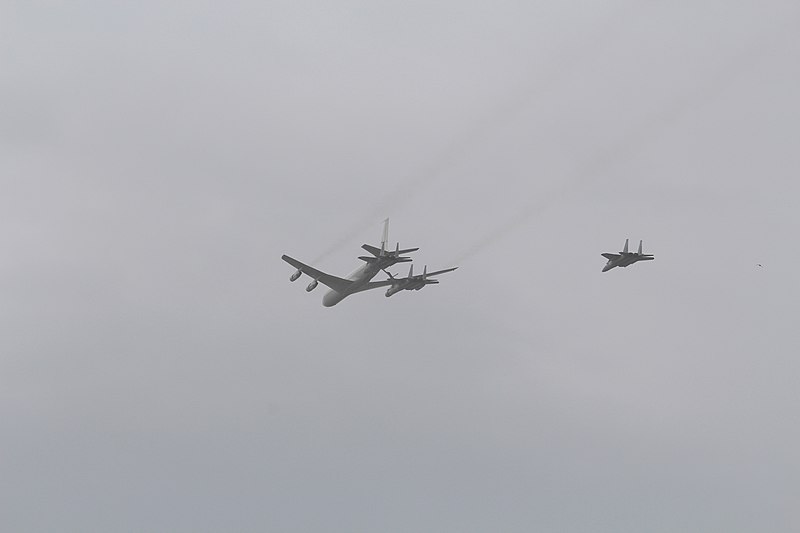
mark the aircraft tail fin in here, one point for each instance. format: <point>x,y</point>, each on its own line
<point>625,250</point>
<point>411,271</point>
<point>640,248</point>
<point>385,237</point>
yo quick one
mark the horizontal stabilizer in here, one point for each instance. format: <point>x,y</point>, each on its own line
<point>372,249</point>
<point>377,251</point>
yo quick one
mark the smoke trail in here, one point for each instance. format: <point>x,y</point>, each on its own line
<point>567,61</point>
<point>629,144</point>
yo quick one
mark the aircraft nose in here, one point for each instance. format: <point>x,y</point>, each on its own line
<point>330,299</point>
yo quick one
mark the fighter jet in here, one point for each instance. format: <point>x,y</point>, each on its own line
<point>625,258</point>
<point>383,258</point>
<point>359,280</point>
<point>412,282</point>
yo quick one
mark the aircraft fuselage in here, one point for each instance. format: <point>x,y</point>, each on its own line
<point>360,280</point>
<point>626,259</point>
<point>360,277</point>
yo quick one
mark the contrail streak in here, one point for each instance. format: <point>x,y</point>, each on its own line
<point>567,61</point>
<point>628,145</point>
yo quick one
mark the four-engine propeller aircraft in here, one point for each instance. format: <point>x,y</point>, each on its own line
<point>359,280</point>
<point>625,258</point>
<point>412,282</point>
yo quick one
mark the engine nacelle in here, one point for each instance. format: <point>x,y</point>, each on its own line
<point>294,276</point>
<point>311,286</point>
<point>392,290</point>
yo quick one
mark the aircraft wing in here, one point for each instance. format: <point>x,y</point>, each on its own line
<point>388,282</point>
<point>337,284</point>
<point>441,271</point>
<point>377,251</point>
<point>611,256</point>
<point>371,249</point>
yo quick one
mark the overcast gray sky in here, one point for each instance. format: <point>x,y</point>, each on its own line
<point>159,373</point>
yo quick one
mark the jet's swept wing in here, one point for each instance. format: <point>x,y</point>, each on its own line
<point>425,274</point>
<point>429,274</point>
<point>611,256</point>
<point>374,250</point>
<point>337,284</point>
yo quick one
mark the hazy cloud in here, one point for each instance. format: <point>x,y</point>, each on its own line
<point>158,372</point>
